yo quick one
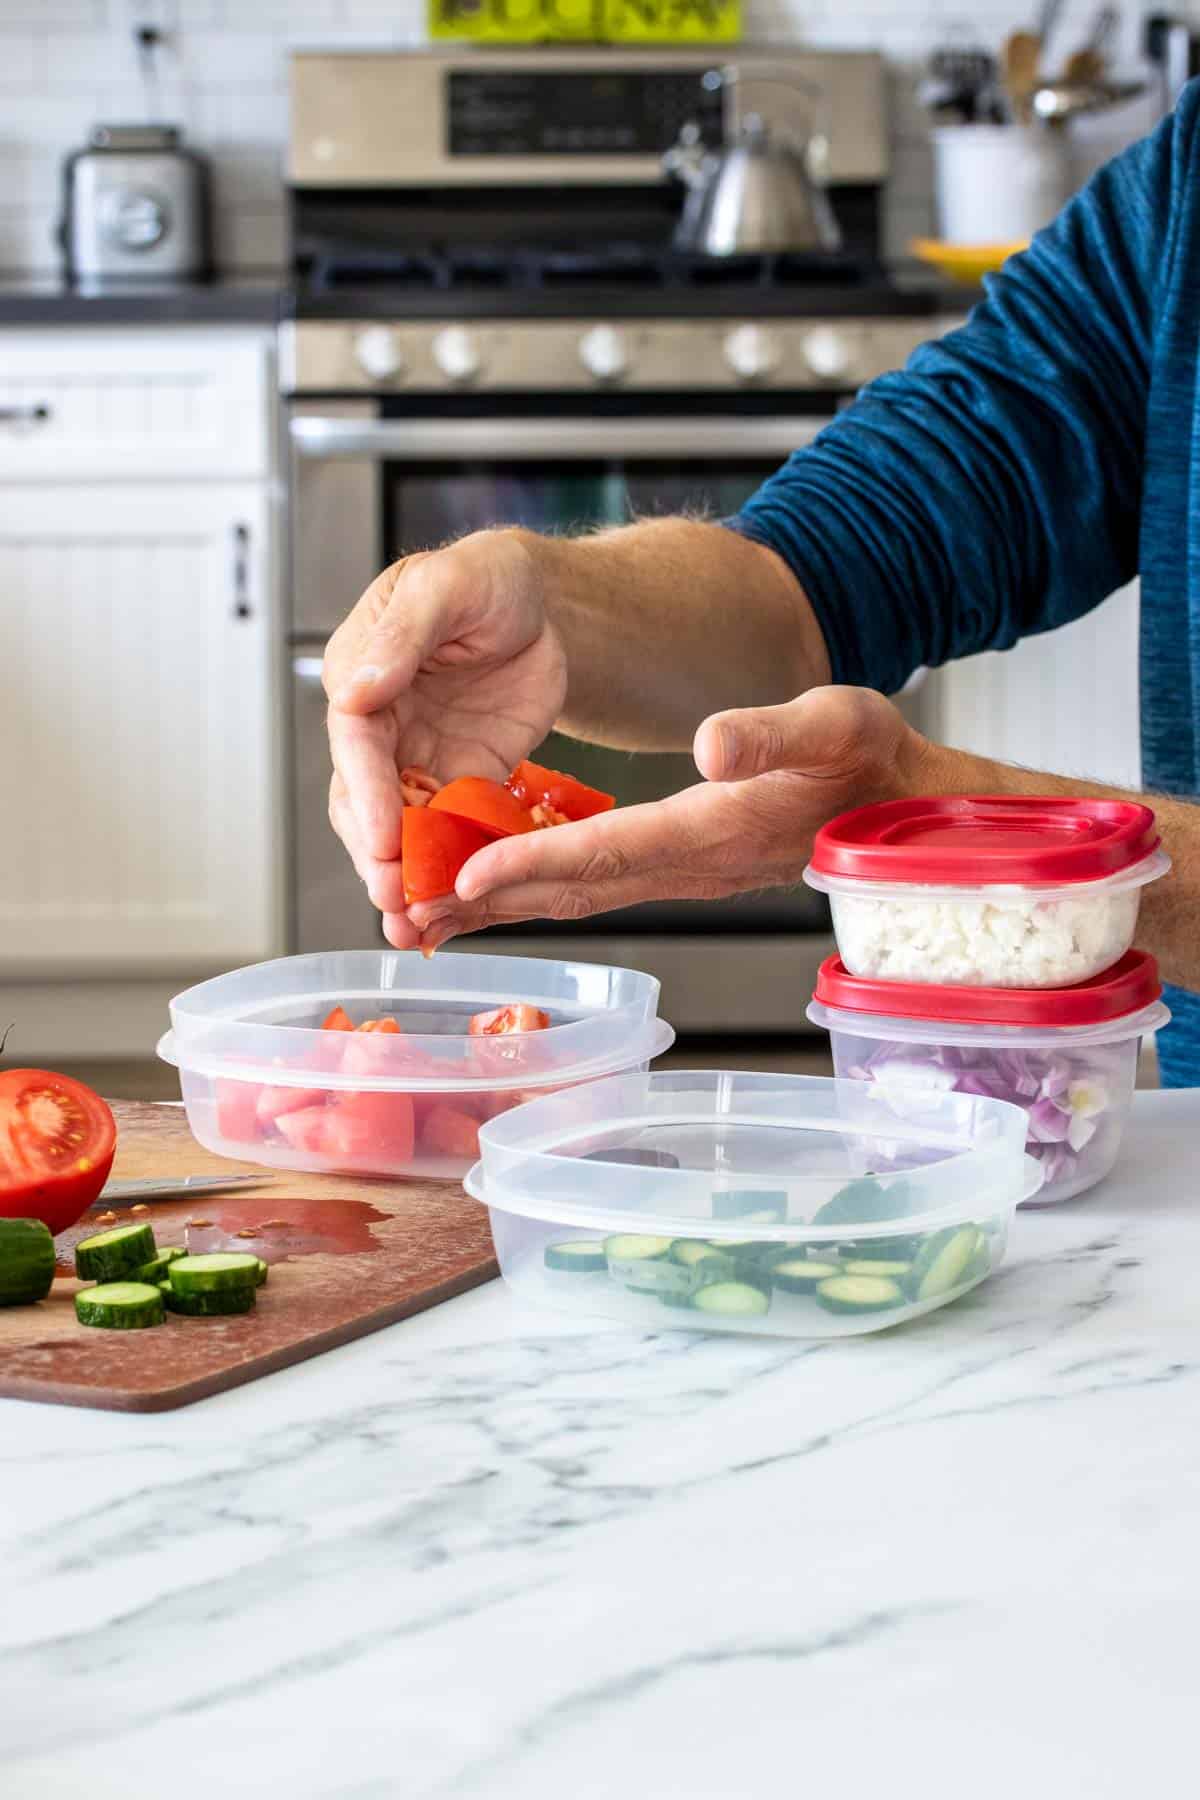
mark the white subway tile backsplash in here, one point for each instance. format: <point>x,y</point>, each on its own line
<point>66,63</point>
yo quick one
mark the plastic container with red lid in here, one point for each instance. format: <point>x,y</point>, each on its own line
<point>988,892</point>
<point>1068,1058</point>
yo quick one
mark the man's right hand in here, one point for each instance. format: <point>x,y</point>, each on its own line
<point>450,662</point>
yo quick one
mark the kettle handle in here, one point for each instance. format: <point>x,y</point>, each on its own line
<point>732,77</point>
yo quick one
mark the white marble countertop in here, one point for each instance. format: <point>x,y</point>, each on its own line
<point>489,1554</point>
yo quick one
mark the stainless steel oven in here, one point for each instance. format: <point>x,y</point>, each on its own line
<point>453,365</point>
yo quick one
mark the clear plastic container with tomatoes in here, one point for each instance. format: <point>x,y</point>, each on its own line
<point>383,1063</point>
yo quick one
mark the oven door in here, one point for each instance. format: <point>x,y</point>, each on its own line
<point>368,488</point>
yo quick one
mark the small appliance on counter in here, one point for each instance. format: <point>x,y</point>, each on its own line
<point>135,207</point>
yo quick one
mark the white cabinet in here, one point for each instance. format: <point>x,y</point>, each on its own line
<point>1066,701</point>
<point>138,737</point>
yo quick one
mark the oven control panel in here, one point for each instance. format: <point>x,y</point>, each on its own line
<point>835,355</point>
<point>571,112</point>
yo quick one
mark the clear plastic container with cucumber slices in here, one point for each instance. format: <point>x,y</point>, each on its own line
<point>1002,891</point>
<point>263,1081</point>
<point>727,1201</point>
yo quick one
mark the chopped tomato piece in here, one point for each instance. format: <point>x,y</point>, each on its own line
<point>487,804</point>
<point>508,1018</point>
<point>533,785</point>
<point>338,1020</point>
<point>304,1130</point>
<point>391,1026</point>
<point>450,1132</point>
<point>237,1110</point>
<point>371,1124</point>
<point>57,1140</point>
<point>434,847</point>
<point>273,1102</point>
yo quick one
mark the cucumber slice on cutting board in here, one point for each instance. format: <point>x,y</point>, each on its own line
<point>859,1294</point>
<point>155,1270</point>
<point>219,1303</point>
<point>114,1255</point>
<point>26,1261</point>
<point>576,1256</point>
<point>800,1274</point>
<point>732,1300</point>
<point>941,1263</point>
<point>218,1271</point>
<point>120,1306</point>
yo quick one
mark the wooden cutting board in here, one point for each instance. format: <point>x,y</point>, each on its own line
<point>347,1257</point>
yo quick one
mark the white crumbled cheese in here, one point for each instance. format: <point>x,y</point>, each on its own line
<point>1020,943</point>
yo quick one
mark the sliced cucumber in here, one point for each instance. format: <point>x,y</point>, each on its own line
<point>264,1269</point>
<point>800,1274</point>
<point>155,1270</point>
<point>114,1254</point>
<point>656,1275</point>
<point>219,1303</point>
<point>865,1201</point>
<point>630,1247</point>
<point>755,1205</point>
<point>942,1262</point>
<point>219,1271</point>
<point>26,1261</point>
<point>884,1249</point>
<point>690,1251</point>
<point>120,1306</point>
<point>859,1294</point>
<point>732,1300</point>
<point>577,1256</point>
<point>865,1266</point>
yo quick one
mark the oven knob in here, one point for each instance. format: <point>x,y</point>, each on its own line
<point>378,354</point>
<point>456,354</point>
<point>826,352</point>
<point>751,352</point>
<point>602,352</point>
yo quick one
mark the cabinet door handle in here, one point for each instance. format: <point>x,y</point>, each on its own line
<point>24,415</point>
<point>241,572</point>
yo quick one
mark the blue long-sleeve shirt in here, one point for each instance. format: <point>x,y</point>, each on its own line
<point>1019,469</point>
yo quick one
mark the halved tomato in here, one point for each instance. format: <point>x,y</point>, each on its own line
<point>488,804</point>
<point>507,1019</point>
<point>57,1141</point>
<point>338,1020</point>
<point>532,785</point>
<point>434,847</point>
<point>448,1131</point>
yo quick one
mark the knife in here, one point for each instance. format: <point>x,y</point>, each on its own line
<point>149,1187</point>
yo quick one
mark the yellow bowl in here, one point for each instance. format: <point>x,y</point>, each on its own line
<point>964,262</point>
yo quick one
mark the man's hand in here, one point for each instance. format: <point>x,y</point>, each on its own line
<point>447,661</point>
<point>773,775</point>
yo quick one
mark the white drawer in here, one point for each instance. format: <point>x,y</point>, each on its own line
<point>157,404</point>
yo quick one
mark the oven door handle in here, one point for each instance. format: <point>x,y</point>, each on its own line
<point>698,437</point>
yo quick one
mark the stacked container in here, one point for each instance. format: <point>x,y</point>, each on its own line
<point>984,948</point>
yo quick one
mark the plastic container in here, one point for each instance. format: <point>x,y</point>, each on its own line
<point>986,892</point>
<point>723,1201</point>
<point>261,1080</point>
<point>1067,1058</point>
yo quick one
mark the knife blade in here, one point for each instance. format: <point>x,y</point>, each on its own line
<point>150,1187</point>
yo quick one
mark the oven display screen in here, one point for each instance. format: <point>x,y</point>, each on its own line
<point>508,112</point>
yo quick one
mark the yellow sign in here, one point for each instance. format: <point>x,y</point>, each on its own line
<point>587,21</point>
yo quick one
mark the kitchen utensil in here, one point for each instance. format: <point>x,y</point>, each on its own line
<point>968,263</point>
<point>1019,66</point>
<point>1067,1056</point>
<point>135,206</point>
<point>263,1082</point>
<point>346,1258</point>
<point>986,891</point>
<point>762,191</point>
<point>1172,49</point>
<point>1055,102</point>
<point>797,1206</point>
<point>1047,23</point>
<point>150,1187</point>
<point>1090,62</point>
<point>998,184</point>
<point>963,80</point>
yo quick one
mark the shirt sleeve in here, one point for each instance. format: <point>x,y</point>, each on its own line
<point>992,487</point>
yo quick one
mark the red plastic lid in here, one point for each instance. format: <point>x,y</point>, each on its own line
<point>977,840</point>
<point>1127,987</point>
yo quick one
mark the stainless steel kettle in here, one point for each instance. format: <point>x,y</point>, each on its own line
<point>763,191</point>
